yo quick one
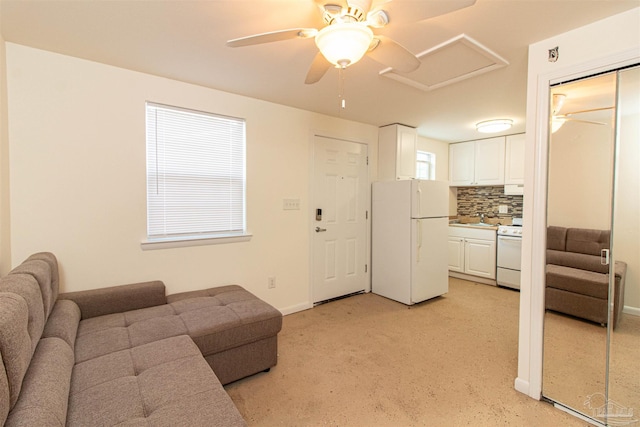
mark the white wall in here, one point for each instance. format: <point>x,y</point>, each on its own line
<point>5,248</point>
<point>78,183</point>
<point>598,46</point>
<point>441,151</point>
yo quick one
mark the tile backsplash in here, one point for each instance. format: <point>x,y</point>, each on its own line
<point>485,200</point>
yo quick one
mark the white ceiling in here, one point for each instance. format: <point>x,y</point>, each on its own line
<point>185,40</point>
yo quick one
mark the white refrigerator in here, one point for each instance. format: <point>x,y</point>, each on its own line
<point>410,223</point>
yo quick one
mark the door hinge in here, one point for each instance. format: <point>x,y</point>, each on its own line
<point>366,214</point>
<point>367,160</point>
<point>366,267</point>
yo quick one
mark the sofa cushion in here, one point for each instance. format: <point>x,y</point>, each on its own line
<point>15,343</point>
<point>63,322</point>
<point>4,393</point>
<point>216,319</point>
<point>225,317</point>
<point>556,238</point>
<point>41,271</point>
<point>50,259</point>
<point>578,281</point>
<point>576,260</point>
<point>45,390</point>
<point>586,241</point>
<point>165,382</point>
<point>27,287</point>
<point>583,306</point>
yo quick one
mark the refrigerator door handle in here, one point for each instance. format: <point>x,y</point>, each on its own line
<point>419,231</point>
<point>419,197</point>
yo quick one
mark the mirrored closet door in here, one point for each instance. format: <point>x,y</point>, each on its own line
<point>592,288</point>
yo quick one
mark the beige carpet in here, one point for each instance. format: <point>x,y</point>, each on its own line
<point>369,361</point>
<point>575,368</point>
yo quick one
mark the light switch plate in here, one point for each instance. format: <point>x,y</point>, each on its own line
<point>291,204</point>
<point>503,209</point>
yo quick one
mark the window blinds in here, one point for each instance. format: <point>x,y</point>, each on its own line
<point>195,174</point>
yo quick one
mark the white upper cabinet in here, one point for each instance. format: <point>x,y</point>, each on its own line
<point>490,161</point>
<point>462,163</point>
<point>477,162</point>
<point>397,145</point>
<point>514,159</point>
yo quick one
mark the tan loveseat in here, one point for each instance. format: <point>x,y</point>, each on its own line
<point>126,355</point>
<point>577,283</point>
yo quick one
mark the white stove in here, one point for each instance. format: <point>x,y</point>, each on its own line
<point>510,230</point>
<point>509,254</point>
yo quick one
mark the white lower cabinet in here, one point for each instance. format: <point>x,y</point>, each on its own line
<point>456,254</point>
<point>472,251</point>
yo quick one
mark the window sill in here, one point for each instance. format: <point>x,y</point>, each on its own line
<point>182,242</point>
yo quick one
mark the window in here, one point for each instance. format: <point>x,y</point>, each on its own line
<point>195,175</point>
<point>426,165</point>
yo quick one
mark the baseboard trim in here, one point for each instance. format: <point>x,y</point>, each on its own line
<point>634,311</point>
<point>522,386</point>
<point>295,308</point>
<point>472,278</point>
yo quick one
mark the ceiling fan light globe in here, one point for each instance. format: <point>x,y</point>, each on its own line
<point>344,43</point>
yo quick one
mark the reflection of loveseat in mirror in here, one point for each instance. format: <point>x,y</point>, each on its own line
<point>576,282</point>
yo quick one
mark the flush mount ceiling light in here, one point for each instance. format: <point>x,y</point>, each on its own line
<point>492,126</point>
<point>344,44</point>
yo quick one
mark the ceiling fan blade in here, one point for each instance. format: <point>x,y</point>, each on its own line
<point>363,5</point>
<point>390,53</point>
<point>273,36</point>
<point>584,121</point>
<point>412,11</point>
<point>590,110</point>
<point>318,69</point>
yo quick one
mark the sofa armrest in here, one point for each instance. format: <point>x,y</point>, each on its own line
<point>117,299</point>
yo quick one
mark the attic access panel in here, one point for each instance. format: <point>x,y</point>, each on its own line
<point>455,60</point>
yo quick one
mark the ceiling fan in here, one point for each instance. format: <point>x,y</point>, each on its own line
<point>348,33</point>
<point>557,120</point>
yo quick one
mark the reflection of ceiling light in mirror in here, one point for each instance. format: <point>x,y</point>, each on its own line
<point>556,124</point>
<point>343,44</point>
<point>492,126</point>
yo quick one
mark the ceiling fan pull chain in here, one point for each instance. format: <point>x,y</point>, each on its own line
<point>343,101</point>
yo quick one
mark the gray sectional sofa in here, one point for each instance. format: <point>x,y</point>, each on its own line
<point>577,283</point>
<point>126,355</point>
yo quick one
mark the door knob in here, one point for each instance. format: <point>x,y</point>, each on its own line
<point>320,230</point>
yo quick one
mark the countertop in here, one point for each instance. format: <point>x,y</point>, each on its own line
<point>473,225</point>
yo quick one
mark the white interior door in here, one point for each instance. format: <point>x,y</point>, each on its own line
<point>340,218</point>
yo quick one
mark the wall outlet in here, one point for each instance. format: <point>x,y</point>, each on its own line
<point>271,284</point>
<point>291,204</point>
<point>503,209</point>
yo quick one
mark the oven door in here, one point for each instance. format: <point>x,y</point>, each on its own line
<point>509,252</point>
<point>509,255</point>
